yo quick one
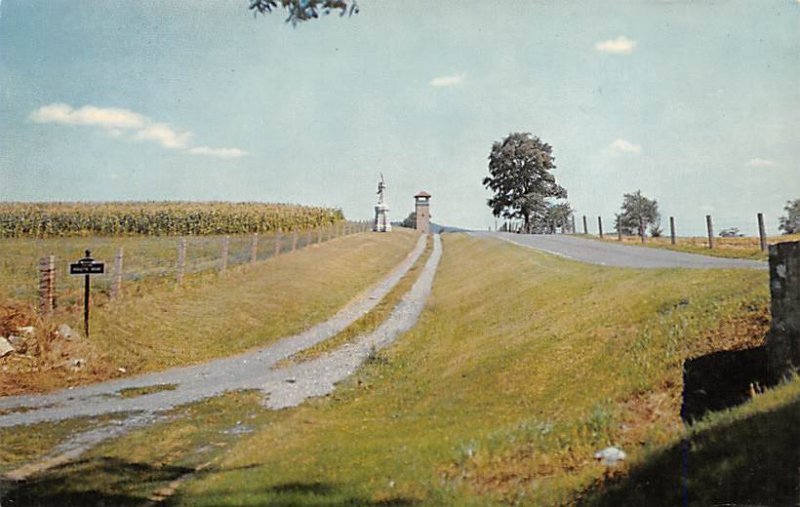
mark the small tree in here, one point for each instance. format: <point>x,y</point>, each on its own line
<point>556,215</point>
<point>790,224</point>
<point>410,221</point>
<point>638,213</point>
<point>519,176</point>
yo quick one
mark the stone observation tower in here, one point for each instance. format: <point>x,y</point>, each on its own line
<point>381,223</point>
<point>423,211</point>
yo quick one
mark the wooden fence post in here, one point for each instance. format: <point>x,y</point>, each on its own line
<point>585,228</point>
<point>572,220</point>
<point>116,287</point>
<point>225,244</point>
<point>47,278</point>
<point>294,240</point>
<point>319,235</point>
<point>600,226</point>
<point>672,230</point>
<point>710,228</point>
<point>783,339</point>
<point>181,260</point>
<point>277,243</point>
<point>762,233</point>
<point>254,248</point>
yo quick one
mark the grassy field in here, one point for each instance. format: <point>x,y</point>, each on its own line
<point>147,260</point>
<point>515,376</point>
<point>737,248</point>
<point>223,314</point>
<point>522,366</point>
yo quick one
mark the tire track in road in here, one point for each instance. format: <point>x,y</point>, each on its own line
<point>283,388</point>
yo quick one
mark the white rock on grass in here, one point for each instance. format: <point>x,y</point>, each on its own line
<point>610,456</point>
<point>5,347</point>
<point>67,333</point>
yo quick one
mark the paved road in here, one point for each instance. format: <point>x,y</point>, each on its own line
<point>612,254</point>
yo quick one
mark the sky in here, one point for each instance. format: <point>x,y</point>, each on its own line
<point>694,103</point>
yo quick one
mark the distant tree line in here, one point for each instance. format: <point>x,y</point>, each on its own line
<point>524,189</point>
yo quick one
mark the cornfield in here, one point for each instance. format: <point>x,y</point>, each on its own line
<point>44,220</point>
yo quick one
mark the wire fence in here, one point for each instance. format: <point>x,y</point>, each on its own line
<point>34,270</point>
<point>587,225</point>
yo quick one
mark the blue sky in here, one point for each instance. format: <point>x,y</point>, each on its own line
<point>694,103</point>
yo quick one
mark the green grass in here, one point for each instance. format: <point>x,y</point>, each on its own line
<point>731,248</point>
<point>129,470</point>
<point>743,456</point>
<point>251,307</point>
<point>22,445</point>
<point>148,261</point>
<point>522,366</point>
<point>369,322</point>
<point>215,315</point>
<point>135,392</point>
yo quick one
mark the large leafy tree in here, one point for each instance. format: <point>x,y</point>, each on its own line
<point>790,224</point>
<point>638,213</point>
<point>304,10</point>
<point>520,176</point>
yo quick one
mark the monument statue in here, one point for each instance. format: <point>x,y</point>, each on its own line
<point>381,190</point>
<point>381,223</point>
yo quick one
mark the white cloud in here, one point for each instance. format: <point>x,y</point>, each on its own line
<point>164,135</point>
<point>88,115</point>
<point>762,162</point>
<point>124,123</point>
<point>624,146</point>
<point>218,152</point>
<point>619,46</point>
<point>448,80</point>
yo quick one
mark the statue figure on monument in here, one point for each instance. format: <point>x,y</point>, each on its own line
<point>381,190</point>
<point>381,223</point>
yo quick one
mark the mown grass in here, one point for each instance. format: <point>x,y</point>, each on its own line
<point>749,455</point>
<point>148,262</point>
<point>19,446</point>
<point>522,366</point>
<point>732,248</point>
<point>214,315</point>
<point>369,322</point>
<point>135,392</point>
<point>143,464</point>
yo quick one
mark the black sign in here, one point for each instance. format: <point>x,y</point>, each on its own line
<point>91,268</point>
<point>87,266</point>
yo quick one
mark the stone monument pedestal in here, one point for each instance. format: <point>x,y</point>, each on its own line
<point>381,223</point>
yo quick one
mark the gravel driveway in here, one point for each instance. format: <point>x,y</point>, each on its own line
<point>612,254</point>
<point>254,370</point>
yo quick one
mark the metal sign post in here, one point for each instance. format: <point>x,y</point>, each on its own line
<point>86,266</point>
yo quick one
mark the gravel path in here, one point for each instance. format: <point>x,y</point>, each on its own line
<point>253,370</point>
<point>612,254</point>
